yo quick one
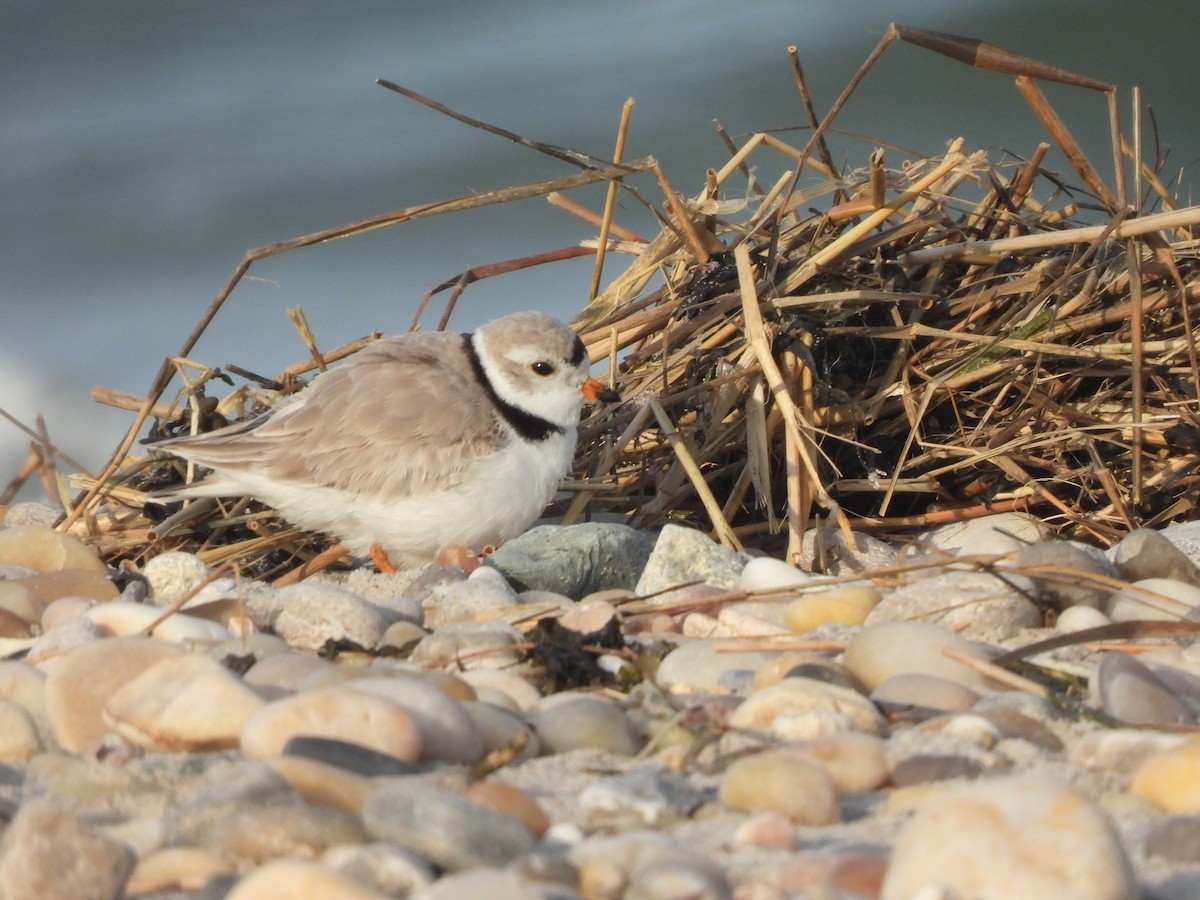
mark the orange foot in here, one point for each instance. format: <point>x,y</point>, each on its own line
<point>380,558</point>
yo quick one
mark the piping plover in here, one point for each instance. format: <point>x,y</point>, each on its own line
<point>416,442</point>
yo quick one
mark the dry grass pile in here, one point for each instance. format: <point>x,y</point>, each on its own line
<point>881,348</point>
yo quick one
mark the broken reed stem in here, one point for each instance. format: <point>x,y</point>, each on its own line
<point>610,200</point>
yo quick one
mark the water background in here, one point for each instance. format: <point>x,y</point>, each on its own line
<point>145,146</point>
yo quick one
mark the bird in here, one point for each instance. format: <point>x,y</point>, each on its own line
<point>417,441</point>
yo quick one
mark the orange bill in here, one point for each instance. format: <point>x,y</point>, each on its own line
<point>594,390</point>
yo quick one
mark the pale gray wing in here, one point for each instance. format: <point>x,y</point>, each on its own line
<point>403,417</point>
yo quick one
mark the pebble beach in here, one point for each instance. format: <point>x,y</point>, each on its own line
<point>603,712</point>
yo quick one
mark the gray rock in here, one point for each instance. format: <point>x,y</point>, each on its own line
<point>443,827</point>
<point>1131,692</point>
<point>977,605</point>
<point>49,854</point>
<point>572,721</point>
<point>1146,553</point>
<point>825,551</point>
<point>683,555</point>
<point>926,767</point>
<point>648,796</point>
<point>1055,591</point>
<point>315,613</point>
<point>574,560</point>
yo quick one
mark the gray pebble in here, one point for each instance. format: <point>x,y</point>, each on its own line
<point>684,555</point>
<point>1129,691</point>
<point>825,551</point>
<point>647,796</point>
<point>574,560</point>
<point>571,721</point>
<point>315,613</point>
<point>1145,553</point>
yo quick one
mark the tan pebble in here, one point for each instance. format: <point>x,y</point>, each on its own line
<point>124,617</point>
<point>613,596</point>
<point>520,692</point>
<point>43,549</point>
<point>856,762</point>
<point>19,739</point>
<point>903,800</point>
<point>58,611</point>
<point>702,625</point>
<point>512,802</point>
<point>503,729</point>
<point>859,875</point>
<point>847,606</point>
<point>81,681</point>
<point>24,685</point>
<point>1009,838</point>
<point>664,624</point>
<point>458,556</point>
<point>285,672</point>
<point>1171,779</point>
<point>1122,751</point>
<point>751,620</point>
<point>19,600</point>
<point>13,626</point>
<point>289,879</point>
<point>795,698</point>
<point>916,689</point>
<point>784,781</point>
<point>50,586</point>
<point>190,703</point>
<point>324,784</point>
<point>877,652</point>
<point>448,733</point>
<point>451,685</point>
<point>776,668</point>
<point>402,635</point>
<point>334,712</point>
<point>176,869</point>
<point>767,829</point>
<point>588,618</point>
<point>572,721</point>
<point>1078,618</point>
<point>975,729</point>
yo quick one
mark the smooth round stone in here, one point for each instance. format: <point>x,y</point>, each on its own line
<point>494,884</point>
<point>402,636</point>
<point>324,784</point>
<point>19,738</point>
<point>847,606</point>
<point>13,626</point>
<point>124,617</point>
<point>1145,553</point>
<point>448,733</point>
<point>50,586</point>
<point>857,762</point>
<point>588,616</point>
<point>971,604</point>
<point>1158,599</point>
<point>753,618</point>
<point>186,703</point>
<point>20,601</point>
<point>674,880</point>
<point>58,611</point>
<point>293,878</point>
<point>518,691</point>
<point>765,573</point>
<point>1130,692</point>
<point>1012,723</point>
<point>65,636</point>
<point>825,550</point>
<point>1120,751</point>
<point>921,691</point>
<point>176,869</point>
<point>1010,838</point>
<point>1000,533</point>
<point>315,613</point>
<point>174,575</point>
<point>878,652</point>
<point>82,680</point>
<point>24,685</point>
<point>503,730</point>
<point>467,646</point>
<point>48,853</point>
<point>1059,593</point>
<point>929,767</point>
<point>699,667</point>
<point>575,560</point>
<point>483,596</point>
<point>805,665</point>
<point>572,721</point>
<point>284,672</point>
<point>335,712</point>
<point>349,756</point>
<point>512,802</point>
<point>444,827</point>
<point>386,868</point>
<point>43,549</point>
<point>1079,618</point>
<point>782,781</point>
<point>767,829</point>
<point>1171,779</point>
<point>796,708</point>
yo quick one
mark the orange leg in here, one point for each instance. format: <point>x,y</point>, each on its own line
<point>380,558</point>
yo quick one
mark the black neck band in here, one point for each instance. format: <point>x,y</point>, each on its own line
<point>526,424</point>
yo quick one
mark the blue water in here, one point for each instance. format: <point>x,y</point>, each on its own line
<point>145,146</point>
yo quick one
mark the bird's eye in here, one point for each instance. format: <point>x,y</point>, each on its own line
<point>541,368</point>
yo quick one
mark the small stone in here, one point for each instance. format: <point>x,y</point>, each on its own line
<point>176,869</point>
<point>494,884</point>
<point>315,613</point>
<point>926,767</point>
<point>19,600</point>
<point>574,560</point>
<point>700,666</point>
<point>856,762</point>
<point>51,586</point>
<point>782,781</point>
<point>1000,533</point>
<point>916,690</point>
<point>668,881</point>
<point>588,617</point>
<point>684,555</point>
<point>82,680</point>
<point>1158,599</point>
<point>43,549</point>
<point>30,514</point>
<point>503,729</point>
<point>1145,553</point>
<point>649,795</point>
<point>24,685</point>
<point>468,645</point>
<point>571,721</point>
<point>1010,839</point>
<point>518,693</point>
<point>1056,592</point>
<point>827,552</point>
<point>296,878</point>
<point>1079,618</point>
<point>336,712</point>
<point>763,573</point>
<point>124,617</point>
<point>1121,752</point>
<point>1129,691</point>
<point>766,829</point>
<point>388,869</point>
<point>972,604</point>
<point>878,652</point>
<point>512,802</point>
<point>484,595</point>
<point>1176,838</point>
<point>1171,779</point>
<point>445,828</point>
<point>847,605</point>
<point>448,734</point>
<point>174,575</point>
<point>19,738</point>
<point>796,708</point>
<point>49,854</point>
<point>187,703</point>
<point>324,784</point>
<point>284,673</point>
